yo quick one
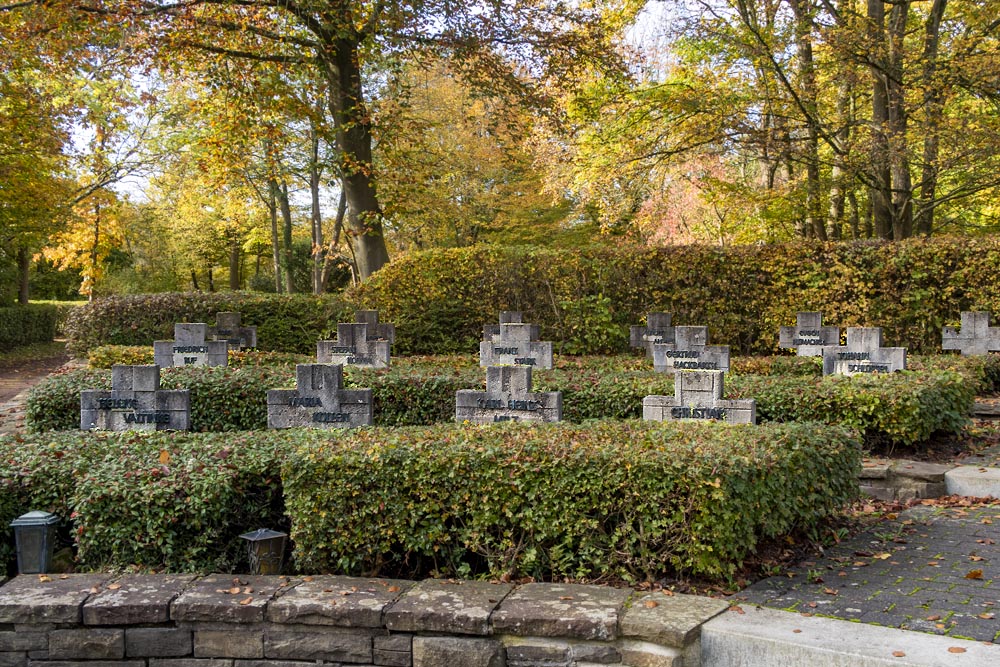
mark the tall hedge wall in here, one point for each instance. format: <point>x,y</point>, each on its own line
<point>289,323</point>
<point>24,325</point>
<point>585,299</point>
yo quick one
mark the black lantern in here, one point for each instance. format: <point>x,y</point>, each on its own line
<point>35,536</point>
<point>266,550</point>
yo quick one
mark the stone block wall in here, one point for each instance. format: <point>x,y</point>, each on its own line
<point>95,620</point>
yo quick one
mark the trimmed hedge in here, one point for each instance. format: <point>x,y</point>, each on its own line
<point>149,500</point>
<point>900,409</point>
<point>287,323</point>
<point>24,325</point>
<point>624,499</point>
<point>585,299</point>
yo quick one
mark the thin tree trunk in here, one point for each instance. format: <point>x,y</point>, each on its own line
<point>933,110</point>
<point>286,217</point>
<point>331,251</point>
<point>902,186</point>
<point>194,281</point>
<point>23,270</point>
<point>316,217</point>
<point>234,265</point>
<point>838,173</point>
<point>807,75</point>
<point>272,205</point>
<point>881,190</point>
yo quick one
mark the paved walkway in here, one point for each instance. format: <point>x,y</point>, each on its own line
<point>932,569</point>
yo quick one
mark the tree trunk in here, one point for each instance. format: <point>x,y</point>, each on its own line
<point>286,218</point>
<point>331,252</point>
<point>23,269</point>
<point>272,206</point>
<point>902,186</point>
<point>316,217</point>
<point>354,138</point>
<point>838,173</point>
<point>881,179</point>
<point>194,281</point>
<point>933,109</point>
<point>807,76</point>
<point>234,265</point>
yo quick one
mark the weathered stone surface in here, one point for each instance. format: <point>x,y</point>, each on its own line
<point>18,659</point>
<point>324,644</point>
<point>976,338</point>
<point>508,397</point>
<point>157,642</point>
<point>189,662</point>
<point>394,643</point>
<point>873,470</point>
<point>88,663</point>
<point>322,601</point>
<point>669,620</point>
<point>698,395</point>
<point>87,644</point>
<point>134,599</point>
<point>275,663</point>
<point>863,354</point>
<point>47,599</point>
<point>538,653</point>
<point>920,471</point>
<point>808,336</point>
<point>642,654</point>
<point>229,644</point>
<point>319,401</point>
<point>392,658</point>
<point>561,610</point>
<point>457,652</point>
<point>446,606</point>
<point>601,654</point>
<point>227,598</point>
<point>23,641</point>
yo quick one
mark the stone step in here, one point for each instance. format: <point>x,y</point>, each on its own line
<point>762,637</point>
<point>986,408</point>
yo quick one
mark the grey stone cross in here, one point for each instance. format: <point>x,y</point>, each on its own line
<point>514,346</point>
<point>190,348</point>
<point>353,347</point>
<point>690,351</point>
<point>863,354</point>
<point>808,337</point>
<point>508,397</point>
<point>376,330</point>
<point>492,331</point>
<point>698,395</point>
<point>656,330</point>
<point>976,338</point>
<point>135,403</point>
<point>319,401</point>
<point>228,328</point>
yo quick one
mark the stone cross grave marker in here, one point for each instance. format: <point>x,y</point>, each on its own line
<point>690,351</point>
<point>228,328</point>
<point>698,395</point>
<point>189,348</point>
<point>863,354</point>
<point>353,348</point>
<point>319,401</point>
<point>508,397</point>
<point>135,403</point>
<point>656,330</point>
<point>976,338</point>
<point>492,331</point>
<point>514,346</point>
<point>376,330</point>
<point>808,336</point>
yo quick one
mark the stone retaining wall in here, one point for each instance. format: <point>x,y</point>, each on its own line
<point>95,620</point>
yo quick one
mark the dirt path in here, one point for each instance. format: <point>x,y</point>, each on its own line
<point>15,379</point>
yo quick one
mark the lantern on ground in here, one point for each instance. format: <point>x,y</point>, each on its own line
<point>35,536</point>
<point>266,550</point>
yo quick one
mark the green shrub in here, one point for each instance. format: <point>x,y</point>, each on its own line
<point>623,499</point>
<point>440,299</point>
<point>287,323</point>
<point>149,500</point>
<point>24,325</point>
<point>107,356</point>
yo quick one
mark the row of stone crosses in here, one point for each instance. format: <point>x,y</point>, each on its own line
<point>509,351</point>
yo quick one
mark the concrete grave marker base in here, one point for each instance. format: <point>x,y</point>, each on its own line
<point>508,397</point>
<point>863,354</point>
<point>190,348</point>
<point>808,337</point>
<point>690,351</point>
<point>228,327</point>
<point>492,331</point>
<point>353,347</point>
<point>135,403</point>
<point>319,401</point>
<point>514,346</point>
<point>656,330</point>
<point>698,395</point>
<point>976,338</point>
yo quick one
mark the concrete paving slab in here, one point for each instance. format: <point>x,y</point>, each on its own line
<point>973,481</point>
<point>767,637</point>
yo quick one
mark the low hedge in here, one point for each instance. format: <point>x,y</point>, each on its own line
<point>630,500</point>
<point>624,499</point>
<point>152,500</point>
<point>287,323</point>
<point>899,409</point>
<point>24,325</point>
